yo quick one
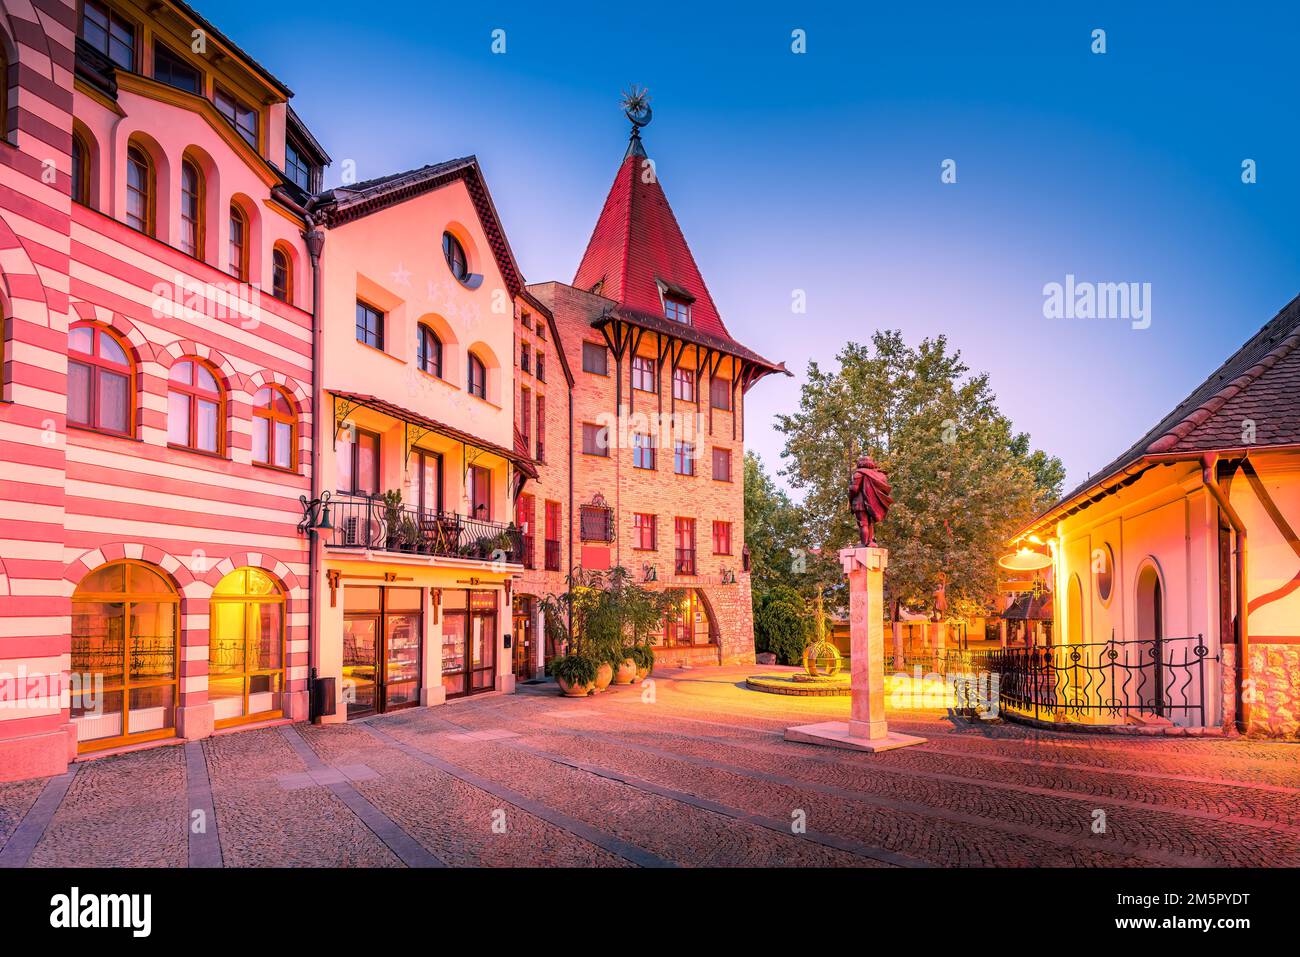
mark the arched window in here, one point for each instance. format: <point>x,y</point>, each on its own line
<point>80,170</point>
<point>454,252</point>
<point>139,190</point>
<point>195,408</point>
<point>238,244</point>
<point>100,376</point>
<point>246,647</point>
<point>281,275</point>
<point>124,629</point>
<point>1074,611</point>
<point>429,352</point>
<point>274,429</point>
<point>191,209</point>
<point>477,377</point>
<point>688,622</point>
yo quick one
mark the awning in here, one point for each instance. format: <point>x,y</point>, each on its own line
<point>1027,607</point>
<point>355,400</point>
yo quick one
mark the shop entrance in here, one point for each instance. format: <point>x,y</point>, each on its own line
<point>382,630</point>
<point>469,642</point>
<point>525,650</point>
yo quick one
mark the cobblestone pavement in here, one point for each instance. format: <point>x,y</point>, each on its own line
<point>690,770</point>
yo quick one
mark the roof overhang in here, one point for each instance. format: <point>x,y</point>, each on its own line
<point>354,400</point>
<point>621,316</point>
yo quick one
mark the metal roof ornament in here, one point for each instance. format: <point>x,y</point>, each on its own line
<point>636,107</point>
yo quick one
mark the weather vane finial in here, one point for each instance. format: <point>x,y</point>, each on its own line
<point>636,106</point>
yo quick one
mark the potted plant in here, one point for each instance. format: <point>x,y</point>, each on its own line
<point>605,664</point>
<point>393,517</point>
<point>625,669</point>
<point>410,534</point>
<point>575,674</point>
<point>644,656</point>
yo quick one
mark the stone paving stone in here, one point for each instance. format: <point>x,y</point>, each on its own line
<point>128,810</point>
<point>450,818</point>
<point>686,835</point>
<point>262,825</point>
<point>16,799</point>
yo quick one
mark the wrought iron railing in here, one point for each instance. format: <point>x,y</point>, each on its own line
<point>1093,683</point>
<point>530,561</point>
<point>362,522</point>
<point>552,556</point>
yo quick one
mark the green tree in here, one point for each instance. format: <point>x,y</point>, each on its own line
<point>962,478</point>
<point>783,624</point>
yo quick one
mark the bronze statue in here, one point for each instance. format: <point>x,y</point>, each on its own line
<point>869,498</point>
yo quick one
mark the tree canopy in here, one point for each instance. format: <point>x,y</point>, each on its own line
<point>963,479</point>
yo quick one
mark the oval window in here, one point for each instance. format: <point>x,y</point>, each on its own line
<point>1103,571</point>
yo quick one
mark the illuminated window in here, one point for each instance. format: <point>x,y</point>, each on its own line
<point>124,632</point>
<point>246,647</point>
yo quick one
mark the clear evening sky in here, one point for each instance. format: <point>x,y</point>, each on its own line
<point>821,172</point>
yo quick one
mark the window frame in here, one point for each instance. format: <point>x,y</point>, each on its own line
<point>272,416</point>
<point>639,529</point>
<point>354,452</point>
<point>646,375</point>
<point>100,365</point>
<point>195,394</point>
<point>714,382</point>
<point>424,335</point>
<point>588,348</point>
<point>726,528</point>
<point>198,198</point>
<point>596,449</point>
<point>717,450</point>
<point>138,156</point>
<point>686,378</point>
<point>112,16</point>
<point>220,93</point>
<point>79,181</point>
<point>684,463</point>
<point>239,251</point>
<point>684,529</point>
<point>453,252</point>
<point>282,292</point>
<point>675,307</point>
<point>472,361</point>
<point>380,318</point>
<point>640,449</point>
<point>176,60</point>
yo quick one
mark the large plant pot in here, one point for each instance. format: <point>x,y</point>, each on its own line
<point>626,672</point>
<point>604,675</point>
<point>574,691</point>
<point>642,674</point>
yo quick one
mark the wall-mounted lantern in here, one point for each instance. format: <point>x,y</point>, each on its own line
<point>315,514</point>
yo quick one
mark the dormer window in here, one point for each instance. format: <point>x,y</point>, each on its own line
<point>240,115</point>
<point>677,309</point>
<point>299,168</point>
<point>109,32</point>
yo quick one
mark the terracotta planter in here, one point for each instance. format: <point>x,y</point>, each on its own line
<point>626,672</point>
<point>573,691</point>
<point>604,675</point>
<point>642,674</point>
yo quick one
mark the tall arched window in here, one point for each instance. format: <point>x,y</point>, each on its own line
<point>100,377</point>
<point>80,170</point>
<point>238,244</point>
<point>429,352</point>
<point>195,408</point>
<point>246,647</point>
<point>281,275</point>
<point>274,429</point>
<point>124,629</point>
<point>191,209</point>
<point>1074,611</point>
<point>140,197</point>
<point>477,377</point>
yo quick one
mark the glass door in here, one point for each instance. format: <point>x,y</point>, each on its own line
<point>360,661</point>
<point>402,629</point>
<point>522,631</point>
<point>483,640</point>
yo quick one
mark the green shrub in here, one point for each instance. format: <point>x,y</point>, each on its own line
<point>643,655</point>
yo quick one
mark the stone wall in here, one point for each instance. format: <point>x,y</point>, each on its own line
<point>1275,687</point>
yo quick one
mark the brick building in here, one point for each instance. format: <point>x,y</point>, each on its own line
<point>657,426</point>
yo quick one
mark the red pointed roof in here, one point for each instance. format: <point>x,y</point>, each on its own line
<point>637,250</point>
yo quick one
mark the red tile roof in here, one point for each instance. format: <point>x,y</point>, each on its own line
<point>637,245</point>
<point>1259,384</point>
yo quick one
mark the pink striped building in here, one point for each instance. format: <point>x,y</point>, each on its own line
<point>156,423</point>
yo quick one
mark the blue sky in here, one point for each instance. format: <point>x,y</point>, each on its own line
<point>821,171</point>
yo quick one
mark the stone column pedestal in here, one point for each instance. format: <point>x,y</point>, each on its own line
<point>866,729</point>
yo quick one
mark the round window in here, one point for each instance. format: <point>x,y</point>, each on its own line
<point>1103,571</point>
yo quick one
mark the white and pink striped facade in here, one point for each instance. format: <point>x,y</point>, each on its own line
<point>156,295</point>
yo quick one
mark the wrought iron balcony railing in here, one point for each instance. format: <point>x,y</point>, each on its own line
<point>530,560</point>
<point>361,522</point>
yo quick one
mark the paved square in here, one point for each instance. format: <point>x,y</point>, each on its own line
<point>690,772</point>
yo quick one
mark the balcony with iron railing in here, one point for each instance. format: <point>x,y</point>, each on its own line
<point>530,560</point>
<point>373,524</point>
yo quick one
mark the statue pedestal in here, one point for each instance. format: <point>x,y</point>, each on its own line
<point>866,729</point>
